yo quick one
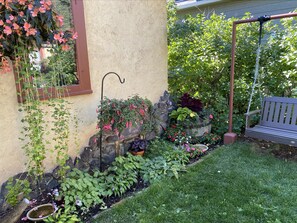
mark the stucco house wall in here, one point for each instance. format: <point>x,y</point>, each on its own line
<point>127,37</point>
<point>237,8</point>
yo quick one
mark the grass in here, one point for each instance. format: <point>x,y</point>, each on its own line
<point>233,184</point>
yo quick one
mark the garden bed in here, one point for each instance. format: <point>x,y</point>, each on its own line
<point>47,196</point>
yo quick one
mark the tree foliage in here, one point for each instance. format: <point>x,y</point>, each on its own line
<point>199,50</point>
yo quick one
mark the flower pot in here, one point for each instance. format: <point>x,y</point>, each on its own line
<point>199,131</point>
<point>41,212</point>
<point>139,153</point>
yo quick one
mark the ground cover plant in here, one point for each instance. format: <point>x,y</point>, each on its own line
<point>234,184</point>
<point>83,194</point>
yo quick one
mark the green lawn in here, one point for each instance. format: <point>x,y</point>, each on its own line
<point>232,184</point>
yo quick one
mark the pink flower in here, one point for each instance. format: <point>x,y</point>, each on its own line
<point>132,107</point>
<point>58,36</point>
<point>30,6</point>
<point>15,26</point>
<point>11,17</point>
<point>65,47</point>
<point>211,116</point>
<point>22,2</point>
<point>31,31</point>
<point>142,112</point>
<point>128,124</point>
<point>27,26</point>
<point>74,36</point>
<point>42,9</point>
<point>7,30</point>
<point>35,12</point>
<point>107,127</point>
<point>1,22</point>
<point>60,20</point>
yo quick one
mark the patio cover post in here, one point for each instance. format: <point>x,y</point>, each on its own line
<point>230,137</point>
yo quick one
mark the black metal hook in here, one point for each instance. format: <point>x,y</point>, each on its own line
<point>102,83</point>
<point>261,20</point>
<point>102,88</point>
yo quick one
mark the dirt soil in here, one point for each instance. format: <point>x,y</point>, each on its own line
<point>283,152</point>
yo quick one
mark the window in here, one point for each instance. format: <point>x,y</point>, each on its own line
<point>80,83</point>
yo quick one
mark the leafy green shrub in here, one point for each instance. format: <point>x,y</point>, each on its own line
<point>158,167</point>
<point>15,188</point>
<point>82,190</point>
<point>62,216</point>
<point>158,147</point>
<point>122,174</point>
<point>199,62</point>
<point>176,155</point>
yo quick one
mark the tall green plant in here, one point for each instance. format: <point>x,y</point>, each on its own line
<point>26,26</point>
<point>199,50</point>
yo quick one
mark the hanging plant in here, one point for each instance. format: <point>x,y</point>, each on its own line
<point>30,23</point>
<point>114,115</point>
<point>25,25</point>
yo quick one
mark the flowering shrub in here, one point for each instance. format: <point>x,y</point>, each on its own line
<point>192,151</point>
<point>29,23</point>
<point>210,138</point>
<point>175,133</point>
<point>115,114</point>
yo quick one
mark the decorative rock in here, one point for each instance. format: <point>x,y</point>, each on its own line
<point>52,183</point>
<point>87,154</point>
<point>161,112</point>
<point>112,138</point>
<point>108,153</point>
<point>79,164</point>
<point>128,132</point>
<point>95,164</point>
<point>93,142</point>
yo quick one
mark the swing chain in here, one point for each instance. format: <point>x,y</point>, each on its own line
<point>261,20</point>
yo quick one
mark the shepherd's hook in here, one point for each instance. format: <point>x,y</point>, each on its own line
<point>102,88</point>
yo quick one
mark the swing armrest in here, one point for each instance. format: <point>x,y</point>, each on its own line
<point>248,115</point>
